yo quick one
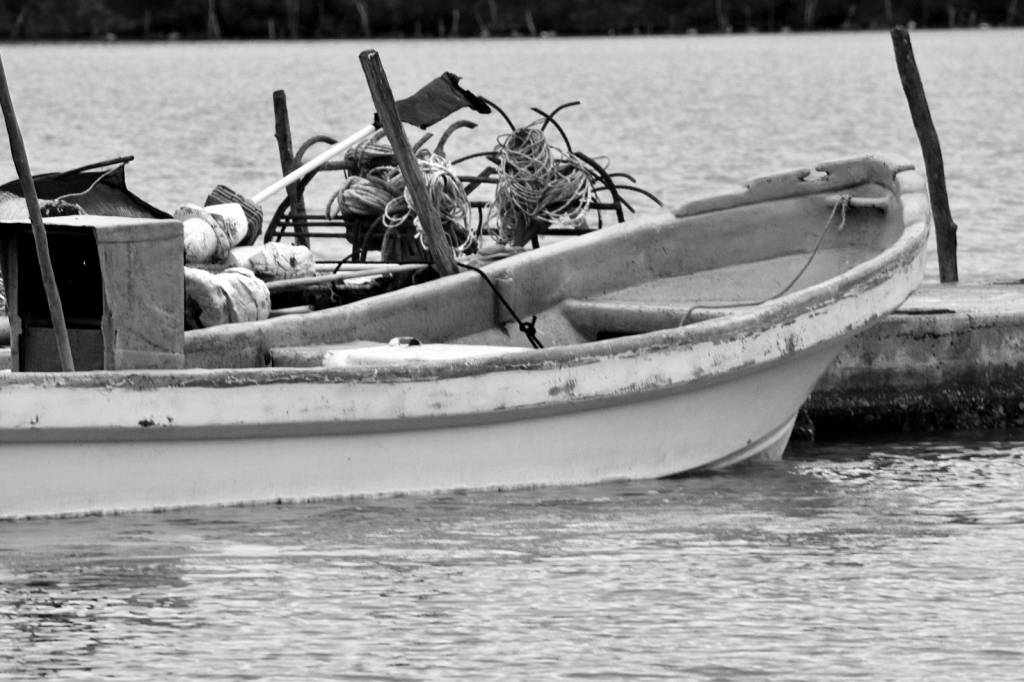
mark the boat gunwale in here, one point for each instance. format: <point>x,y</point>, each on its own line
<point>774,312</point>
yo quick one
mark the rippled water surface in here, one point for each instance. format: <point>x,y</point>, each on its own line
<point>898,561</point>
<point>882,561</point>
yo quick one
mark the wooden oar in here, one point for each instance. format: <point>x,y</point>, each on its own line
<point>28,188</point>
<point>304,170</point>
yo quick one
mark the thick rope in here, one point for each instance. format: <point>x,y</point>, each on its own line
<point>360,196</point>
<point>368,151</point>
<point>446,192</point>
<point>382,192</point>
<point>537,181</point>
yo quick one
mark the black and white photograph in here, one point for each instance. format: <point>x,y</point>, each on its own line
<point>512,340</point>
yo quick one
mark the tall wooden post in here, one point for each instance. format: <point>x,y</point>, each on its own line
<point>212,25</point>
<point>430,218</point>
<point>283,132</point>
<point>945,228</point>
<point>28,188</point>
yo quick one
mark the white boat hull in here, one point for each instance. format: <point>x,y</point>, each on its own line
<point>643,405</point>
<point>635,439</point>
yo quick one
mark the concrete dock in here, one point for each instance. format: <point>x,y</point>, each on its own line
<point>952,357</point>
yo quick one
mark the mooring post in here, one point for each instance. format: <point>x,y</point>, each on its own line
<point>387,110</point>
<point>945,228</point>
<point>283,133</point>
<point>28,188</point>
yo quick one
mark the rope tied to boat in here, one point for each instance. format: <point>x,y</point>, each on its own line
<point>527,327</point>
<point>537,182</point>
<point>842,205</point>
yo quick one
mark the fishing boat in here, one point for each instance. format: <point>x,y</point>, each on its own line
<point>678,342</point>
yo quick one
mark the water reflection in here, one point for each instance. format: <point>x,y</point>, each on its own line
<point>879,560</point>
<point>67,612</point>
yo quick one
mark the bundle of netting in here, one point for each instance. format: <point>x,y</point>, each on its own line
<point>536,182</point>
<point>446,192</point>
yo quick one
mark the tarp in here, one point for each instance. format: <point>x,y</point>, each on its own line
<point>437,100</point>
<point>99,189</point>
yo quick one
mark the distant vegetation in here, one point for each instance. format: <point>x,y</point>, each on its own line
<point>158,20</point>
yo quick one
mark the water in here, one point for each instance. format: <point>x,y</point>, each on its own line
<point>886,560</point>
<point>881,561</point>
<point>685,115</point>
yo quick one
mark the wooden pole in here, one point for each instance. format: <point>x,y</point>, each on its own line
<point>283,133</point>
<point>945,228</point>
<point>28,188</point>
<point>430,218</point>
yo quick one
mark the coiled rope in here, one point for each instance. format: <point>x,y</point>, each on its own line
<point>359,196</point>
<point>382,192</point>
<point>368,151</point>
<point>537,181</point>
<point>446,192</point>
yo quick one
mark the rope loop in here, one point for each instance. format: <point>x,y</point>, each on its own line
<point>528,328</point>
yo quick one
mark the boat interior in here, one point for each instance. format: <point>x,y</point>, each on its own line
<point>709,259</point>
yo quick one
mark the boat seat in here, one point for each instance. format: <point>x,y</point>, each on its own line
<point>603,319</point>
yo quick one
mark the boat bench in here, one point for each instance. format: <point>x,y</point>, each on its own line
<point>603,319</point>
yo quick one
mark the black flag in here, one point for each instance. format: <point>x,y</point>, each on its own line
<point>438,99</point>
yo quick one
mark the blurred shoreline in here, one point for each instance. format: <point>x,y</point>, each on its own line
<point>55,20</point>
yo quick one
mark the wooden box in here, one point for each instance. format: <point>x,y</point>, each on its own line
<point>121,284</point>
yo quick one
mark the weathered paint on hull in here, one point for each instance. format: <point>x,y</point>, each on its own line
<point>79,444</point>
<point>676,432</point>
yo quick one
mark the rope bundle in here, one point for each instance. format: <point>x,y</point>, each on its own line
<point>446,192</point>
<point>536,182</point>
<point>382,192</point>
<point>362,197</point>
<point>368,152</point>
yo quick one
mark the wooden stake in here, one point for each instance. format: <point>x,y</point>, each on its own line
<point>28,188</point>
<point>283,132</point>
<point>945,228</point>
<point>384,101</point>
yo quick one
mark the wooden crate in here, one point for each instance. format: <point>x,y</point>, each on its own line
<point>121,284</point>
